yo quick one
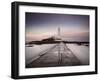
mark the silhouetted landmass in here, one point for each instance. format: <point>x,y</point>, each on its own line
<point>53,40</point>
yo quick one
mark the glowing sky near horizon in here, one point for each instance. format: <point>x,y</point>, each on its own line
<point>39,26</point>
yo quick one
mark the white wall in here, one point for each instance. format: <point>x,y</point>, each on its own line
<point>5,40</point>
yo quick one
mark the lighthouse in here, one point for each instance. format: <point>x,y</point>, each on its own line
<point>58,38</point>
<point>58,31</point>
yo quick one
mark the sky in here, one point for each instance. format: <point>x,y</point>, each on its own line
<point>39,26</point>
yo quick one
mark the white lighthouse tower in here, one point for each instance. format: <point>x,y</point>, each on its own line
<point>58,38</point>
<point>59,31</point>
